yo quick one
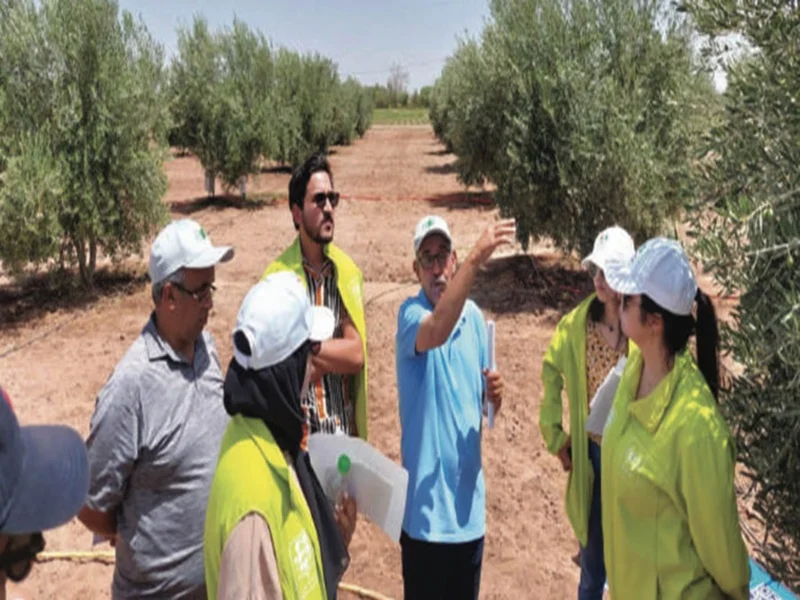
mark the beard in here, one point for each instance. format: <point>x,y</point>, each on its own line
<point>320,236</point>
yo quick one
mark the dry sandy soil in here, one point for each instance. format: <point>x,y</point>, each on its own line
<point>56,353</point>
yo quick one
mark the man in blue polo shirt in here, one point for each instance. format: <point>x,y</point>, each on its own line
<point>442,376</point>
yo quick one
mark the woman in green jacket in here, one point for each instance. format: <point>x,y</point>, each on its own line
<point>587,344</point>
<point>670,522</point>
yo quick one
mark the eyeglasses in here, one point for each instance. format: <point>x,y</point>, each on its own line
<point>428,260</point>
<point>320,198</point>
<point>593,270</point>
<point>17,559</point>
<point>203,294</point>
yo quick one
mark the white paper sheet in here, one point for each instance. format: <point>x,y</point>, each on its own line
<point>490,329</point>
<point>378,484</point>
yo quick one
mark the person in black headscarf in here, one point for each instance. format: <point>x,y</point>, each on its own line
<point>270,531</point>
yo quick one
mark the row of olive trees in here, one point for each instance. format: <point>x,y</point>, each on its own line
<point>747,229</point>
<point>87,109</point>
<point>581,113</point>
<point>236,100</point>
<point>82,116</point>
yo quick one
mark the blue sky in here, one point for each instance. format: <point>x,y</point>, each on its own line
<point>363,37</point>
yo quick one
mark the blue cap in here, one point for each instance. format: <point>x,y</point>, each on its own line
<point>44,474</point>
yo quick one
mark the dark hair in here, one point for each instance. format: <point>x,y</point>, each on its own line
<point>299,182</point>
<point>678,328</point>
<point>597,309</point>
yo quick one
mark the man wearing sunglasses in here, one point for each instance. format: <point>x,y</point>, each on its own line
<point>443,372</point>
<point>337,397</point>
<point>157,426</point>
<point>44,476</point>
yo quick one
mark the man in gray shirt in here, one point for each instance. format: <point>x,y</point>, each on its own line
<point>157,426</point>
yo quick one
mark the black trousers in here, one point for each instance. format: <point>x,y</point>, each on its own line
<point>437,571</point>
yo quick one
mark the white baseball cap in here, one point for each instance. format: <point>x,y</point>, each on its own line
<point>184,244</point>
<point>661,270</point>
<point>611,245</point>
<point>430,225</point>
<point>276,317</point>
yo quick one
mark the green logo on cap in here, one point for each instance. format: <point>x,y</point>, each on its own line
<point>429,223</point>
<point>201,233</point>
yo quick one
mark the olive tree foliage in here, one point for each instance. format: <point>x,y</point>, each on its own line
<point>235,101</point>
<point>82,126</point>
<point>220,90</point>
<point>314,108</point>
<point>747,230</point>
<point>577,113</point>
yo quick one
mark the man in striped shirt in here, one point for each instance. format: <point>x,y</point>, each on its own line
<point>336,400</point>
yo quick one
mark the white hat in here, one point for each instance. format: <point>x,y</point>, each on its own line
<point>611,245</point>
<point>184,244</point>
<point>429,225</point>
<point>661,270</point>
<point>276,317</point>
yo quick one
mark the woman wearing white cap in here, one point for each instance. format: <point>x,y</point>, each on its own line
<point>587,344</point>
<point>670,522</point>
<point>270,530</point>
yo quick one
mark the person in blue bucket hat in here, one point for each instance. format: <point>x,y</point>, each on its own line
<point>44,478</point>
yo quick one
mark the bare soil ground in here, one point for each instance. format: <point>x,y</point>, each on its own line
<point>56,352</point>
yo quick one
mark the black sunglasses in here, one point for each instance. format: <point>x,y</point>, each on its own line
<point>17,559</point>
<point>320,198</point>
<point>205,292</point>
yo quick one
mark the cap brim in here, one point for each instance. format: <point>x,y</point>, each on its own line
<point>323,322</point>
<point>54,480</point>
<point>211,257</point>
<point>589,259</point>
<point>434,230</point>
<point>620,279</point>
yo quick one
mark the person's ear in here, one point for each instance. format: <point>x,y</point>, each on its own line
<point>297,215</point>
<point>168,294</point>
<point>656,322</point>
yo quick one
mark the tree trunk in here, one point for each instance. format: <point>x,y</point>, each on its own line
<point>92,257</point>
<point>83,267</point>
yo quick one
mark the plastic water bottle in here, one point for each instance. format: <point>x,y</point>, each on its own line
<point>338,484</point>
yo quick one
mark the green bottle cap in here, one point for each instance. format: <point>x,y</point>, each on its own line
<point>343,465</point>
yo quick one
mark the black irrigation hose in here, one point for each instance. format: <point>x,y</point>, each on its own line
<point>17,347</point>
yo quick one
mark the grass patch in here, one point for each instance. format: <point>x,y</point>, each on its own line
<point>400,116</point>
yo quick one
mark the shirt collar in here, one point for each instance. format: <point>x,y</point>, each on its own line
<point>157,346</point>
<point>327,265</point>
<point>423,298</point>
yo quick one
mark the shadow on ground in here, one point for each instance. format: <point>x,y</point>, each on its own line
<point>445,169</point>
<point>37,295</point>
<point>530,283</point>
<point>189,207</point>
<point>462,200</point>
<point>276,168</point>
